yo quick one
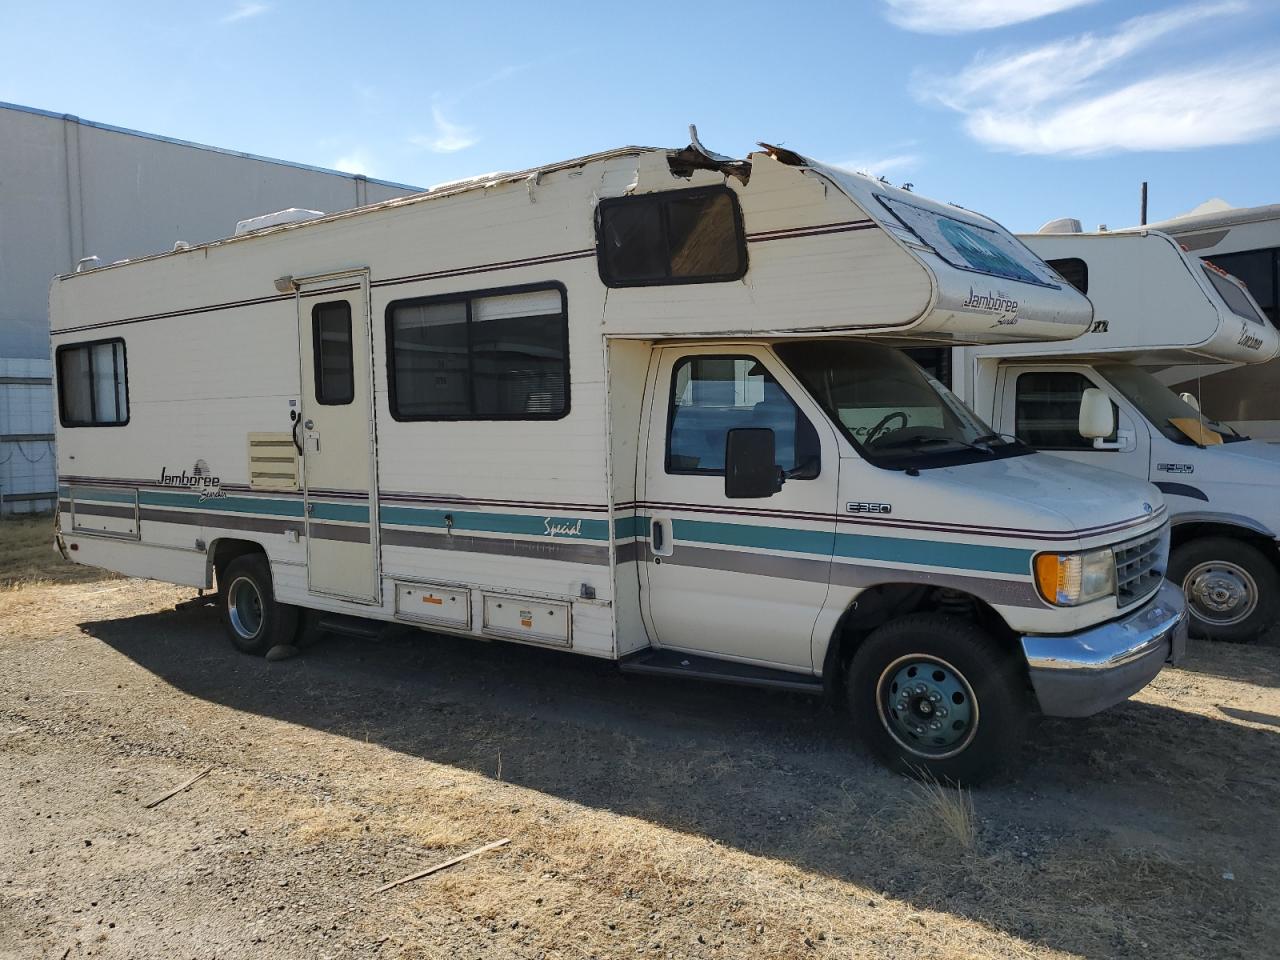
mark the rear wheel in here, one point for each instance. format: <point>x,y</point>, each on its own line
<point>254,619</point>
<point>1231,587</point>
<point>933,694</point>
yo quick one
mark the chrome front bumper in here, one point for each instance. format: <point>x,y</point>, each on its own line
<point>1079,674</point>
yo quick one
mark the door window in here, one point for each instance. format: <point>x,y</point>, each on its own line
<point>1047,411</point>
<point>711,395</point>
<point>331,342</point>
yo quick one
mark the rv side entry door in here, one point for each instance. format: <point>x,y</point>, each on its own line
<point>339,468</point>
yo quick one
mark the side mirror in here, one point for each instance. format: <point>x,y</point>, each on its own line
<point>751,470</point>
<point>1097,416</point>
<point>1190,400</point>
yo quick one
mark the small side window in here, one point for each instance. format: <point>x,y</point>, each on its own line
<point>93,388</point>
<point>1047,413</point>
<point>1073,270</point>
<point>711,395</point>
<point>679,236</point>
<point>331,344</point>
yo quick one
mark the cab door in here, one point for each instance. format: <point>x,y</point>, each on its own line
<point>1040,405</point>
<point>336,434</point>
<point>738,578</point>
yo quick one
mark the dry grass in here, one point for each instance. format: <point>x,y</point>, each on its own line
<point>948,811</point>
<point>28,556</point>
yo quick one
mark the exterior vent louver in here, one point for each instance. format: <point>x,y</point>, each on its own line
<point>273,462</point>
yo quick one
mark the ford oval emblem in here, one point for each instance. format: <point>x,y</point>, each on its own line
<point>1146,508</point>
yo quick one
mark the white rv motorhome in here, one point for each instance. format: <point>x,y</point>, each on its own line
<point>1154,306</point>
<point>637,406</point>
<point>1245,242</point>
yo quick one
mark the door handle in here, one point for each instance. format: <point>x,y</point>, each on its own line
<point>661,542</point>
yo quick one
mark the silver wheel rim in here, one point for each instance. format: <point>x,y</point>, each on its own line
<point>244,607</point>
<point>1220,593</point>
<point>897,719</point>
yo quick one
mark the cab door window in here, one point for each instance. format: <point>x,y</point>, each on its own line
<point>711,395</point>
<point>1047,410</point>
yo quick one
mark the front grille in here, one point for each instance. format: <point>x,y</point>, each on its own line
<point>1140,566</point>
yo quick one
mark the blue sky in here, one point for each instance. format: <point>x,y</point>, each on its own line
<point>1022,109</point>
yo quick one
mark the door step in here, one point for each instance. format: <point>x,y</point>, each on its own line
<point>350,626</point>
<point>672,663</point>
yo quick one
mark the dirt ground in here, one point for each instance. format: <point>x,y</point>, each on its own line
<point>647,818</point>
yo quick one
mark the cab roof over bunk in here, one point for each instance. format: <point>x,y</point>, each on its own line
<point>1153,303</point>
<point>685,242</point>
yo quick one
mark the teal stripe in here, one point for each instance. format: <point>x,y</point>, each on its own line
<point>491,522</point>
<point>625,528</point>
<point>750,535</point>
<point>96,495</point>
<point>355,512</point>
<point>934,553</point>
<point>272,507</point>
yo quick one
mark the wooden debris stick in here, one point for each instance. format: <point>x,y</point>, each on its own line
<point>441,866</point>
<point>178,789</point>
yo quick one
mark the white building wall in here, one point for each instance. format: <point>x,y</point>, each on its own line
<point>71,188</point>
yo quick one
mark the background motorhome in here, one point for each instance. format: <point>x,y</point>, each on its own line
<point>1246,243</point>
<point>1155,307</point>
<point>637,406</point>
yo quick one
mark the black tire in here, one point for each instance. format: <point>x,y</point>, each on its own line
<point>1232,588</point>
<point>970,679</point>
<point>255,621</point>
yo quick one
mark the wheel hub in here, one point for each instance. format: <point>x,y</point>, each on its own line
<point>928,706</point>
<point>244,604</point>
<point>1220,593</point>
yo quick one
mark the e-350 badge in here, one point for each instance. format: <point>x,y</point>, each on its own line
<point>863,507</point>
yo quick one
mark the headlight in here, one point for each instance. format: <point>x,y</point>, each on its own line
<point>1070,579</point>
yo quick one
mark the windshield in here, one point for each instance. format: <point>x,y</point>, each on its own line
<point>895,414</point>
<point>1159,404</point>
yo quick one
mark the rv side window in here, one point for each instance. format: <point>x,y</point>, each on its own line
<point>496,355</point>
<point>712,395</point>
<point>331,343</point>
<point>1047,415</point>
<point>1073,270</point>
<point>93,388</point>
<point>681,236</point>
<point>1259,270</point>
<point>1234,297</point>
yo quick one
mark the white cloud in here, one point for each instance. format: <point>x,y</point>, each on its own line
<point>1172,111</point>
<point>448,138</point>
<point>246,10</point>
<point>962,16</point>
<point>885,165</point>
<point>1021,79</point>
<point>1064,96</point>
<point>356,161</point>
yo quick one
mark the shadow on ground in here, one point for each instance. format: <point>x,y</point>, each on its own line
<point>1119,797</point>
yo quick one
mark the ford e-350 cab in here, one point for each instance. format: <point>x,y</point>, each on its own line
<point>644,406</point>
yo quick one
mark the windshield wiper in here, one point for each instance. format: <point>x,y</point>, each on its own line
<point>919,441</point>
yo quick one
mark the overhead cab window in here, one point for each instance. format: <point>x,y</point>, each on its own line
<point>679,236</point>
<point>1073,270</point>
<point>493,355</point>
<point>93,384</point>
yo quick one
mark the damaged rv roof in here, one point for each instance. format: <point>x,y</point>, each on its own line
<point>683,162</point>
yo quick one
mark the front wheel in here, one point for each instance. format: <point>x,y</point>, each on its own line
<point>933,694</point>
<point>254,619</point>
<point>1231,587</point>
